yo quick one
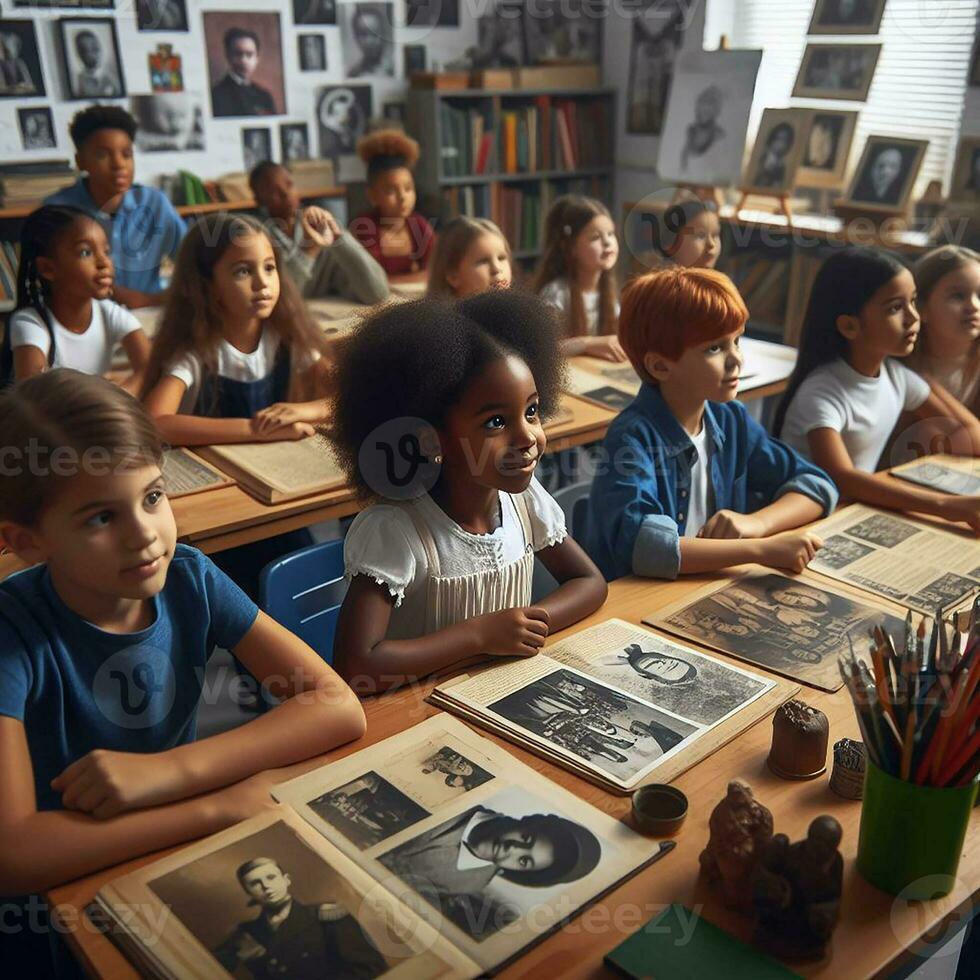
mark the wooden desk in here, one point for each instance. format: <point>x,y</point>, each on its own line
<point>876,932</point>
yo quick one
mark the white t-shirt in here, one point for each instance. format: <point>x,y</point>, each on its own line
<point>233,364</point>
<point>863,410</point>
<point>89,351</point>
<point>699,507</point>
<point>384,543</point>
<point>557,294</point>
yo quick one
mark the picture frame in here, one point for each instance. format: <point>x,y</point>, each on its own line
<point>312,51</point>
<point>161,15</point>
<point>322,12</point>
<point>256,146</point>
<point>837,71</point>
<point>21,37</point>
<point>264,93</point>
<point>367,35</point>
<point>37,130</point>
<point>90,58</point>
<point>432,13</point>
<point>827,148</point>
<point>415,58</point>
<point>777,152</point>
<point>885,175</point>
<point>168,122</point>
<point>562,31</point>
<point>65,4</point>
<point>847,16</point>
<point>294,142</point>
<point>965,185</point>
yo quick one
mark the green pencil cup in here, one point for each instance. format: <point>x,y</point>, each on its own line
<point>912,836</point>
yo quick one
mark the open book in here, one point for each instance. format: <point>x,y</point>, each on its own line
<point>184,473</point>
<point>432,854</point>
<point>616,704</point>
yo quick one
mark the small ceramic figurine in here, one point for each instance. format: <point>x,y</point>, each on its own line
<point>740,828</point>
<point>796,891</point>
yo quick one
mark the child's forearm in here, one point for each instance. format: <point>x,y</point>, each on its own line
<point>199,430</point>
<point>788,511</point>
<point>713,554</point>
<point>882,490</point>
<point>573,600</point>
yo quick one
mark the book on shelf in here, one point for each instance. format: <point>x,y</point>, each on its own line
<point>32,181</point>
<point>392,861</point>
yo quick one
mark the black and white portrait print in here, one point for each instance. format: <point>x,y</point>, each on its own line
<point>168,121</point>
<point>36,128</point>
<point>256,146</point>
<point>294,142</point>
<point>312,52</point>
<point>20,63</point>
<point>367,39</point>
<point>161,15</point>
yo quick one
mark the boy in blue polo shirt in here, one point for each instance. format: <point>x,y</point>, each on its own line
<point>145,227</point>
<point>690,483</point>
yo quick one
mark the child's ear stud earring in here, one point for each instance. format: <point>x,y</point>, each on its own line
<point>437,460</point>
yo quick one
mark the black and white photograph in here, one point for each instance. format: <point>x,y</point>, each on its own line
<point>394,111</point>
<point>256,146</point>
<point>368,810</point>
<point>499,39</point>
<point>414,59</point>
<point>432,13</point>
<point>847,16</point>
<point>90,55</point>
<point>943,478</point>
<point>886,173</point>
<point>569,30</point>
<point>947,590</point>
<point>168,121</point>
<point>161,15</point>
<point>827,148</point>
<point>367,38</point>
<point>965,185</point>
<point>294,142</point>
<point>656,40</point>
<point>20,63</point>
<point>787,626</point>
<point>489,865</point>
<point>839,551</point>
<point>777,152</point>
<point>314,12</point>
<point>610,397</point>
<point>837,71</point>
<point>455,769</point>
<point>613,731</point>
<point>245,70</point>
<point>312,52</point>
<point>36,128</point>
<point>883,530</point>
<point>267,905</point>
<point>342,112</point>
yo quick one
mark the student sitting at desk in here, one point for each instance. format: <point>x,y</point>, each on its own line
<point>145,226</point>
<point>322,259</point>
<point>690,482</point>
<point>103,648</point>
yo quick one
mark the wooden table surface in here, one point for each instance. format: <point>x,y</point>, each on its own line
<point>876,932</point>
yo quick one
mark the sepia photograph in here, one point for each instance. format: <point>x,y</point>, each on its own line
<point>90,58</point>
<point>294,142</point>
<point>244,52</point>
<point>342,112</point>
<point>777,152</point>
<point>168,121</point>
<point>161,15</point>
<point>883,530</point>
<point>839,551</point>
<point>847,16</point>
<point>368,810</point>
<point>455,769</point>
<point>312,52</point>
<point>36,128</point>
<point>837,71</point>
<point>827,148</point>
<point>492,864</point>
<point>787,626</point>
<point>314,12</point>
<point>268,906</point>
<point>256,146</point>
<point>886,174</point>
<point>613,731</point>
<point>367,38</point>
<point>948,589</point>
<point>566,30</point>
<point>965,185</point>
<point>20,63</point>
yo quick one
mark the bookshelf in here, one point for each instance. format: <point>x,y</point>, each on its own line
<point>506,154</point>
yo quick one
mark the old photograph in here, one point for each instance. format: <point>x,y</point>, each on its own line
<point>883,530</point>
<point>367,38</point>
<point>837,71</point>
<point>847,16</point>
<point>20,63</point>
<point>489,865</point>
<point>787,626</point>
<point>244,52</point>
<point>948,589</point>
<point>569,30</point>
<point>777,152</point>
<point>256,146</point>
<point>499,39</point>
<point>456,771</point>
<point>312,52</point>
<point>36,128</point>
<point>839,551</point>
<point>613,731</point>
<point>943,478</point>
<point>432,13</point>
<point>885,177</point>
<point>826,148</point>
<point>343,112</point>
<point>161,15</point>
<point>168,121</point>
<point>294,142</point>
<point>268,906</point>
<point>656,40</point>
<point>90,55</point>
<point>368,810</point>
<point>314,12</point>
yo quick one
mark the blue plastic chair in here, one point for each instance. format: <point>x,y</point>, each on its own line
<point>304,591</point>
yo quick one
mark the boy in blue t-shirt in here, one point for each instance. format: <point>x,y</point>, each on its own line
<point>145,227</point>
<point>690,482</point>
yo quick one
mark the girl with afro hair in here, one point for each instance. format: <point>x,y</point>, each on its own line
<point>393,232</point>
<point>438,418</point>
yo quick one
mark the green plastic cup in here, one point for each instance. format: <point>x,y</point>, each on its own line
<point>912,836</point>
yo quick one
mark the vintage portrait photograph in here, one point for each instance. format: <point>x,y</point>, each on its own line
<point>827,148</point>
<point>414,59</point>
<point>489,865</point>
<point>837,71</point>
<point>787,626</point>
<point>312,52</point>
<point>499,39</point>
<point>455,770</point>
<point>886,173</point>
<point>161,15</point>
<point>432,13</point>
<point>947,590</point>
<point>368,810</point>
<point>268,906</point>
<point>90,58</point>
<point>20,63</point>
<point>613,731</point>
<point>883,530</point>
<point>367,38</point>
<point>36,128</point>
<point>168,121</point>
<point>847,16</point>
<point>839,551</point>
<point>244,52</point>
<point>342,112</point>
<point>256,146</point>
<point>565,29</point>
<point>294,142</point>
<point>655,43</point>
<point>314,12</point>
<point>777,152</point>
<point>965,185</point>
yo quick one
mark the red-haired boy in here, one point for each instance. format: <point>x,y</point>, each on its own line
<point>689,481</point>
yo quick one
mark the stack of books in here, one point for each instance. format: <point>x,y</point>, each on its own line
<point>31,182</point>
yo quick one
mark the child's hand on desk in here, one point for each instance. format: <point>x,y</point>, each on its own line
<point>607,348</point>
<point>280,414</point>
<point>964,509</point>
<point>791,550</point>
<point>517,632</point>
<point>289,431</point>
<point>731,524</point>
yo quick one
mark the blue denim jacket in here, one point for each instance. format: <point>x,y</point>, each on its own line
<point>637,510</point>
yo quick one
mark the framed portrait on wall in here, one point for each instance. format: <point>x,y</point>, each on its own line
<point>314,12</point>
<point>245,70</point>
<point>886,174</point>
<point>837,71</point>
<point>847,16</point>
<point>367,36</point>
<point>90,58</point>
<point>168,122</point>
<point>342,112</point>
<point>294,142</point>
<point>36,128</point>
<point>256,146</point>
<point>432,13</point>
<point>562,29</point>
<point>777,152</point>
<point>312,52</point>
<point>826,148</point>
<point>20,63</point>
<point>161,15</point>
